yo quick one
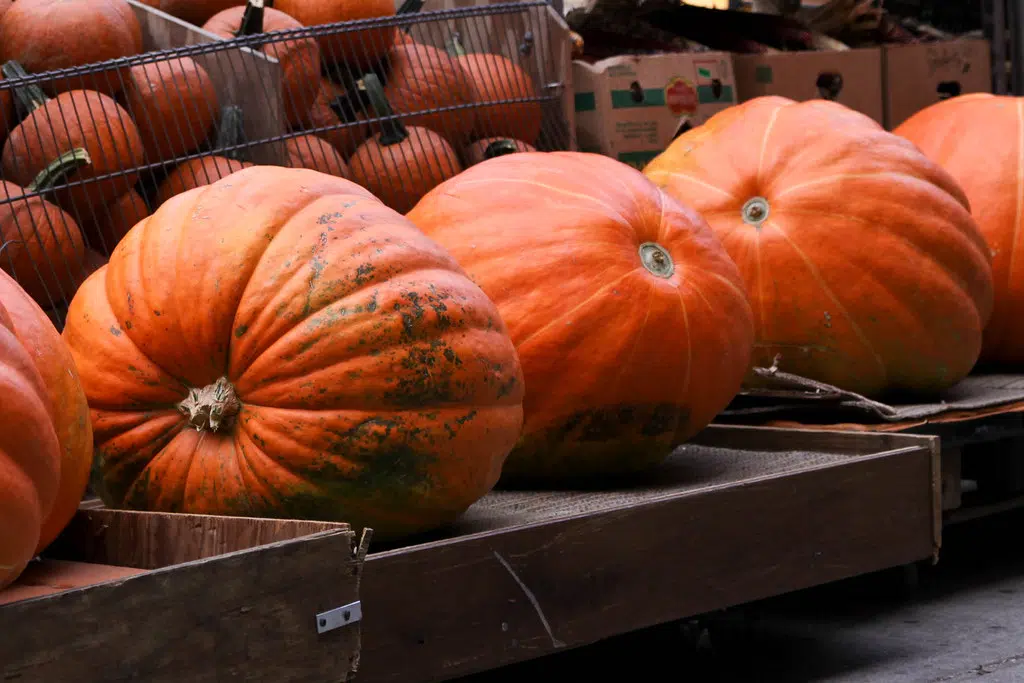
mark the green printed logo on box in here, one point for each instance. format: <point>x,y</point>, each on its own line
<point>585,101</point>
<point>637,159</point>
<point>637,97</point>
<point>763,74</point>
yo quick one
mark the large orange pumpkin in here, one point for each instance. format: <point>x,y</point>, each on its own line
<point>864,267</point>
<point>319,359</point>
<point>979,140</point>
<point>630,321</point>
<point>45,433</point>
<point>45,35</point>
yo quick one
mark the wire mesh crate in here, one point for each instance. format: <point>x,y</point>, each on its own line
<point>396,104</point>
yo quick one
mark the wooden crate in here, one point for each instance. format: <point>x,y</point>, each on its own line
<point>738,515</point>
<point>170,598</point>
<point>242,76</point>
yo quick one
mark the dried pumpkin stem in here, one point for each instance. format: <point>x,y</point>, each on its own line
<point>252,19</point>
<point>500,148</point>
<point>212,407</point>
<point>394,131</point>
<point>454,45</point>
<point>58,169</point>
<point>232,131</point>
<point>29,97</point>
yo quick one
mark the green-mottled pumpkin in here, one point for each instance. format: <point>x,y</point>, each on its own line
<point>321,359</point>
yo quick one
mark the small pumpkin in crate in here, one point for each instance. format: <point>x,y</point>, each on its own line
<point>334,108</point>
<point>629,318</point>
<point>74,119</point>
<point>315,153</point>
<point>45,35</point>
<point>493,78</point>
<point>864,266</point>
<point>488,148</point>
<point>105,229</point>
<point>196,12</point>
<point>359,49</point>
<point>46,446</point>
<point>979,140</point>
<point>174,104</point>
<point>208,168</point>
<point>402,163</point>
<point>42,246</point>
<point>422,78</point>
<point>299,59</point>
<point>336,363</point>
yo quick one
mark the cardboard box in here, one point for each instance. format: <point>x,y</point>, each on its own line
<point>631,107</point>
<point>850,77</point>
<point>917,76</point>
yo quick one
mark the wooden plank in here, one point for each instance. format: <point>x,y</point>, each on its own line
<point>150,540</point>
<point>454,607</point>
<point>832,441</point>
<point>241,76</point>
<point>247,616</point>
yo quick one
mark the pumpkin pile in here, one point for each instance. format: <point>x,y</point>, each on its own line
<point>864,266</point>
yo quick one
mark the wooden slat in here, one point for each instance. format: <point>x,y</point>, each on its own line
<point>149,540</point>
<point>458,606</point>
<point>777,439</point>
<point>245,616</point>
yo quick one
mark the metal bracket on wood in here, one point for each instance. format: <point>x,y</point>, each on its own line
<point>339,616</point>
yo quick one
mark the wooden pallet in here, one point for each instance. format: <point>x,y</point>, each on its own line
<point>169,598</point>
<point>738,515</point>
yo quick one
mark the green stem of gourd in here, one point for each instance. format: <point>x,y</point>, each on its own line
<point>231,132</point>
<point>252,19</point>
<point>454,45</point>
<point>58,169</point>
<point>394,131</point>
<point>29,97</point>
<point>500,148</point>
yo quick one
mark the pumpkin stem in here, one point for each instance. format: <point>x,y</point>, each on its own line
<point>212,407</point>
<point>755,211</point>
<point>454,45</point>
<point>500,148</point>
<point>231,132</point>
<point>409,7</point>
<point>394,131</point>
<point>656,259</point>
<point>58,169</point>
<point>252,19</point>
<point>29,97</point>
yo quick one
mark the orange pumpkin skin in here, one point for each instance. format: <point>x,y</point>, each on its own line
<point>620,363</point>
<point>45,35</point>
<point>175,105</point>
<point>90,120</point>
<point>358,48</point>
<point>423,78</point>
<point>864,267</point>
<point>377,384</point>
<point>970,137</point>
<point>492,78</point>
<point>42,245</point>
<point>106,229</point>
<point>68,411</point>
<point>312,152</point>
<point>197,173</point>
<point>299,58</point>
<point>196,12</point>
